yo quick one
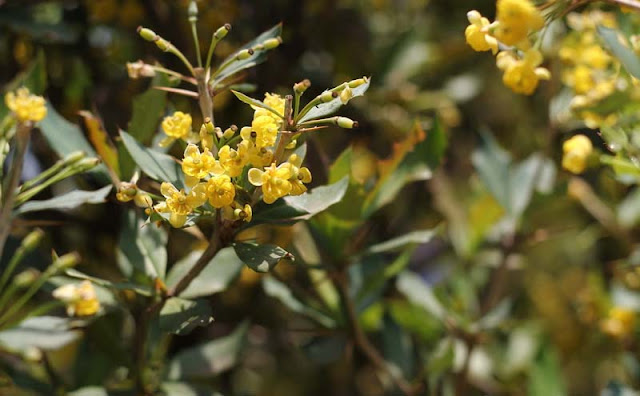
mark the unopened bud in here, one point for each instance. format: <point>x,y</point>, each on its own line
<point>74,157</point>
<point>163,44</point>
<point>143,200</point>
<point>222,32</point>
<point>358,82</point>
<point>217,131</point>
<point>346,95</point>
<point>140,69</point>
<point>147,34</point>
<point>328,96</point>
<point>26,278</point>
<point>86,164</point>
<point>245,54</point>
<point>32,240</point>
<point>302,86</point>
<point>193,11</point>
<point>208,125</point>
<point>344,122</point>
<point>32,354</point>
<point>66,261</point>
<point>229,132</point>
<point>272,43</point>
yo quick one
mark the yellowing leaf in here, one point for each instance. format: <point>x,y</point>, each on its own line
<point>100,140</point>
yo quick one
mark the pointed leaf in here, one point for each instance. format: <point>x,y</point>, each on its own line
<point>44,332</point>
<point>69,200</point>
<point>625,55</point>
<point>101,141</point>
<point>419,293</point>
<point>142,248</point>
<point>414,237</point>
<point>255,103</point>
<point>148,109</point>
<point>280,291</point>
<point>154,164</point>
<point>261,258</point>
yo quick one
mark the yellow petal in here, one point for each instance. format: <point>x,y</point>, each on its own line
<point>255,176</point>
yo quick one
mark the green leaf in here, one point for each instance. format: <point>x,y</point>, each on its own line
<point>419,293</point>
<point>180,316</point>
<point>89,391</point>
<point>186,389</point>
<point>545,377</point>
<point>154,164</point>
<point>221,271</point>
<point>65,138</point>
<point>255,103</point>
<point>142,248</point>
<point>209,359</point>
<point>341,167</point>
<point>44,332</point>
<point>326,350</point>
<point>398,348</point>
<point>375,282</point>
<point>261,258</point>
<point>148,109</point>
<point>625,55</point>
<point>253,60</point>
<point>280,291</point>
<point>330,107</point>
<point>414,237</point>
<point>301,207</point>
<point>69,200</point>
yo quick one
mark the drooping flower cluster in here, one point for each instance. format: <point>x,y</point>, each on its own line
<point>212,180</point>
<point>81,300</point>
<point>26,106</point>
<point>515,21</point>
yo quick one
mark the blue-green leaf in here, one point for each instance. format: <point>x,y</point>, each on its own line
<point>625,55</point>
<point>69,200</point>
<point>260,258</point>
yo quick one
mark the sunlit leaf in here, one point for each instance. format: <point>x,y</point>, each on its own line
<point>44,332</point>
<point>221,271</point>
<point>70,200</point>
<point>209,359</point>
<point>259,257</point>
<point>101,142</point>
<point>154,164</point>
<point>419,293</point>
<point>181,316</point>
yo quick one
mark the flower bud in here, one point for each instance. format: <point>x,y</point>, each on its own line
<point>192,11</point>
<point>32,240</point>
<point>245,54</point>
<point>344,122</point>
<point>222,32</point>
<point>139,69</point>
<point>86,164</point>
<point>208,125</point>
<point>217,131</point>
<point>74,157</point>
<point>66,261</point>
<point>229,132</point>
<point>302,86</point>
<point>147,34</point>
<point>328,96</point>
<point>26,278</point>
<point>358,82</point>
<point>272,43</point>
<point>143,200</point>
<point>32,354</point>
<point>346,95</point>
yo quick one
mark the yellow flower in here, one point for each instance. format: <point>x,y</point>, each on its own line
<point>259,156</point>
<point>233,161</point>
<point>299,175</point>
<point>266,131</point>
<point>26,107</point>
<point>516,18</point>
<point>220,191</point>
<point>179,203</point>
<point>575,153</point>
<point>177,126</point>
<point>476,33</point>
<point>197,165</point>
<point>619,322</point>
<point>243,213</point>
<point>522,75</point>
<point>276,103</point>
<point>81,299</point>
<point>273,180</point>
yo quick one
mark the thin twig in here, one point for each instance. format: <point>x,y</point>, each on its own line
<point>178,91</point>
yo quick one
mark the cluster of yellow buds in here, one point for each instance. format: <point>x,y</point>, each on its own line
<point>520,61</point>
<point>130,192</point>
<point>588,69</point>
<point>81,300</point>
<point>576,151</point>
<point>26,106</point>
<point>214,179</point>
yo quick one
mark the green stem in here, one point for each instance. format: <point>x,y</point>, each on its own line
<point>181,56</point>
<point>284,137</point>
<point>24,196</point>
<point>9,189</point>
<point>13,263</point>
<point>196,43</point>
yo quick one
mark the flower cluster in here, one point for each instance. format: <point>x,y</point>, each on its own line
<point>515,21</point>
<point>212,180</point>
<point>25,106</point>
<point>81,300</point>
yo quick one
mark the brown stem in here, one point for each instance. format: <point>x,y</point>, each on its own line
<point>284,137</point>
<point>362,342</point>
<point>9,191</point>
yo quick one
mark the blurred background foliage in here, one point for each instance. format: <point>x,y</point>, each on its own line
<point>559,262</point>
